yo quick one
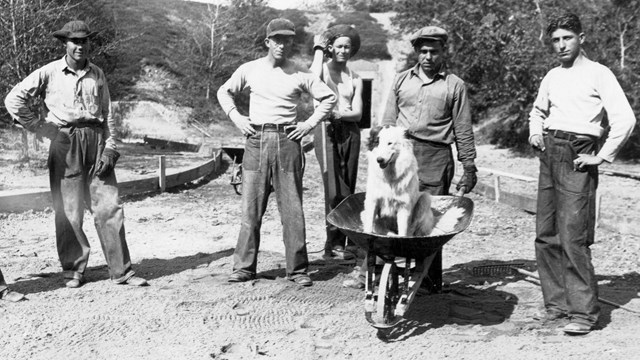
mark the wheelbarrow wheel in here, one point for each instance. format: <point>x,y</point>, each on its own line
<point>388,295</point>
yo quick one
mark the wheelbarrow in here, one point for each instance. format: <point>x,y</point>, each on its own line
<point>391,287</point>
<point>235,153</point>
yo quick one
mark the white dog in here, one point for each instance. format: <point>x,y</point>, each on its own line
<point>393,204</point>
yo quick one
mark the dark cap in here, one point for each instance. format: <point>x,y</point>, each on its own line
<point>430,33</point>
<point>75,29</point>
<point>349,31</point>
<point>280,26</point>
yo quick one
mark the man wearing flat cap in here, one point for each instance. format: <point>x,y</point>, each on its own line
<point>82,155</point>
<point>273,158</point>
<point>433,105</point>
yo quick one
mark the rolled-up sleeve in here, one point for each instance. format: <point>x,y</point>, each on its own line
<point>109,123</point>
<point>18,99</point>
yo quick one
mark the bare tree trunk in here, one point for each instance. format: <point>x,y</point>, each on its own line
<point>214,21</point>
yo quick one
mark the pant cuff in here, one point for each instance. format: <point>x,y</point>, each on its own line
<point>124,278</point>
<point>70,274</point>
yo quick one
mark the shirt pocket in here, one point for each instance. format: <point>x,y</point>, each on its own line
<point>438,106</point>
<point>91,90</point>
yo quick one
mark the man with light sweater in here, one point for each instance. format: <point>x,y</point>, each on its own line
<point>273,157</point>
<point>565,124</point>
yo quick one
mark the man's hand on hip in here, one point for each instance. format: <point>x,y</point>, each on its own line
<point>537,142</point>
<point>107,162</point>
<point>468,179</point>
<point>584,160</point>
<point>243,123</point>
<point>300,131</point>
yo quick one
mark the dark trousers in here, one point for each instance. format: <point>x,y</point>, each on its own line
<point>342,143</point>
<point>72,158</point>
<point>435,173</point>
<point>272,161</point>
<point>565,224</point>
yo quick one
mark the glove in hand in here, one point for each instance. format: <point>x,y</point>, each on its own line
<point>107,162</point>
<point>320,41</point>
<point>468,179</point>
<point>46,130</point>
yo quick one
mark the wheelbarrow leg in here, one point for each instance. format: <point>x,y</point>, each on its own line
<point>416,277</point>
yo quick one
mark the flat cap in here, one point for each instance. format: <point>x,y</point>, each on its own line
<point>430,33</point>
<point>75,29</point>
<point>281,26</point>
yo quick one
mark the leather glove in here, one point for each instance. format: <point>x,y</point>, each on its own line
<point>468,179</point>
<point>107,162</point>
<point>320,42</point>
<point>46,130</point>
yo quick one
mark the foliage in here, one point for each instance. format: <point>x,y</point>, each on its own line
<point>499,47</point>
<point>374,44</point>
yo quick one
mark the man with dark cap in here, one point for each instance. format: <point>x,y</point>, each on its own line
<point>6,293</point>
<point>273,157</point>
<point>433,105</point>
<point>82,155</point>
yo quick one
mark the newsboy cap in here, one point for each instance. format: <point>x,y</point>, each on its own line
<point>349,31</point>
<point>280,26</point>
<point>429,33</point>
<point>75,29</point>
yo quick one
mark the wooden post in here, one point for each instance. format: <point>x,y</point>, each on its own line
<point>598,203</point>
<point>162,180</point>
<point>496,182</point>
<point>25,144</point>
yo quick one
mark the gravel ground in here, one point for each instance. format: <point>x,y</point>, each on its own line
<point>182,241</point>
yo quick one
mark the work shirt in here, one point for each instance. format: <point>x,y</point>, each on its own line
<point>70,98</point>
<point>437,111</point>
<point>275,92</point>
<point>575,99</point>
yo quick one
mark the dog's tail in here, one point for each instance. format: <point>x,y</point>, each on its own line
<point>447,222</point>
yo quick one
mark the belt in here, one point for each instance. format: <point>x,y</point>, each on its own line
<point>428,142</point>
<point>82,125</point>
<point>563,135</point>
<point>271,127</point>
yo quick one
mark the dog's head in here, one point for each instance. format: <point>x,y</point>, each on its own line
<point>386,142</point>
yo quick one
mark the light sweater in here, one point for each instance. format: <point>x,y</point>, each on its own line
<point>575,99</point>
<point>275,92</point>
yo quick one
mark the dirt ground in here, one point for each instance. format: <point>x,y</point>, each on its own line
<point>182,242</point>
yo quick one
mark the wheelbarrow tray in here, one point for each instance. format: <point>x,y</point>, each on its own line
<point>346,217</point>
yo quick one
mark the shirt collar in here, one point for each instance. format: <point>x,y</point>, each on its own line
<point>62,66</point>
<point>442,73</point>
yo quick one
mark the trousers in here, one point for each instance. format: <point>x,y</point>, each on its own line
<point>272,162</point>
<point>73,156</point>
<point>565,227</point>
<point>342,140</point>
<point>435,173</point>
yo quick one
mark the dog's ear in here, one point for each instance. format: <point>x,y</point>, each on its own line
<point>374,137</point>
